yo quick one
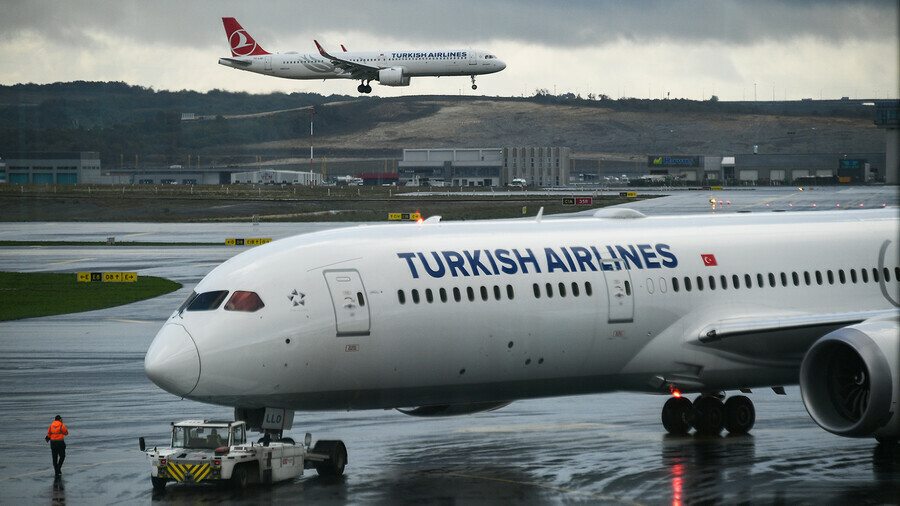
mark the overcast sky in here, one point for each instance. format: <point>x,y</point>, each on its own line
<point>737,50</point>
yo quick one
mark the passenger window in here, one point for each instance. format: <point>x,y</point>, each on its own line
<point>830,277</point>
<point>471,293</point>
<point>875,276</point>
<point>587,289</point>
<point>662,285</point>
<point>887,275</point>
<point>549,290</point>
<point>401,296</point>
<point>771,280</point>
<point>562,290</point>
<point>759,280</point>
<point>208,301</point>
<point>484,293</point>
<point>699,283</point>
<point>443,293</point>
<point>361,300</point>
<point>806,278</point>
<point>723,282</point>
<point>735,281</point>
<point>818,278</point>
<point>456,294</point>
<point>429,297</point>
<point>675,285</point>
<point>748,281</point>
<point>865,275</point>
<point>415,296</point>
<point>844,278</point>
<point>510,294</point>
<point>247,302</point>
<point>853,276</point>
<point>687,284</point>
<point>574,289</point>
<point>712,282</point>
<point>496,292</point>
<point>628,288</point>
<point>795,278</point>
<point>783,279</point>
<point>537,291</point>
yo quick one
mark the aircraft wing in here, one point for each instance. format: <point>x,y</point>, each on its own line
<point>356,70</point>
<point>776,339</point>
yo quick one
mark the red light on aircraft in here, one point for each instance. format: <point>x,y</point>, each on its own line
<point>675,391</point>
<point>420,220</point>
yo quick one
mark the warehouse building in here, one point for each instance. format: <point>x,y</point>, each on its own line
<point>538,166</point>
<point>452,167</point>
<point>51,168</point>
<point>277,177</point>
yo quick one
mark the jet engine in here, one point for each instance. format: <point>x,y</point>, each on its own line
<point>453,409</point>
<point>393,76</point>
<point>850,380</point>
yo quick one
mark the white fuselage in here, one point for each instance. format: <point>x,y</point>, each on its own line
<point>464,62</point>
<point>408,315</point>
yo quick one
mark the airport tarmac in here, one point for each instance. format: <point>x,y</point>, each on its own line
<point>611,448</point>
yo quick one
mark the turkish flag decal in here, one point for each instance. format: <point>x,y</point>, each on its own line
<point>709,260</point>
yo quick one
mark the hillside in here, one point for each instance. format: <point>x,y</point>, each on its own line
<point>124,121</point>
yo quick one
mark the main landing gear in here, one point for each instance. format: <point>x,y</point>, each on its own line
<point>473,82</point>
<point>708,415</point>
<point>364,87</point>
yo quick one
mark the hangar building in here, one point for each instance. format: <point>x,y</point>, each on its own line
<point>51,168</point>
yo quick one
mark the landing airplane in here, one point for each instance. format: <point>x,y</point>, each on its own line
<point>390,68</point>
<point>446,318</point>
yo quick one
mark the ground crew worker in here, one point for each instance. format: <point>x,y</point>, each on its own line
<point>214,440</point>
<point>56,434</point>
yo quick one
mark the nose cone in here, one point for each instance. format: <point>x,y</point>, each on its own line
<point>173,362</point>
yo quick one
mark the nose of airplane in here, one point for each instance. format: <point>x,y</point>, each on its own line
<point>173,362</point>
<point>501,64</point>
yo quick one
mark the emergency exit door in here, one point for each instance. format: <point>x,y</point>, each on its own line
<point>351,309</point>
<point>619,290</point>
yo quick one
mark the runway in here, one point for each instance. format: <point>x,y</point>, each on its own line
<point>610,448</point>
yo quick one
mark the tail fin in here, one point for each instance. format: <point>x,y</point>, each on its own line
<point>242,44</point>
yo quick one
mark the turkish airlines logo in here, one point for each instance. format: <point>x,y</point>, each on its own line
<point>709,260</point>
<point>242,44</point>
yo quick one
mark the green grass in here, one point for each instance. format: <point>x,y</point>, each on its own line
<point>29,295</point>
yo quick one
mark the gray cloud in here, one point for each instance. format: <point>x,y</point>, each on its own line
<point>541,22</point>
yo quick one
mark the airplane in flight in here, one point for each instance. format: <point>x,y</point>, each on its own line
<point>448,318</point>
<point>390,68</point>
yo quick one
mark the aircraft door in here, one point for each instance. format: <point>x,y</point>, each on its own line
<point>351,309</point>
<point>620,291</point>
<point>268,62</point>
<point>473,58</point>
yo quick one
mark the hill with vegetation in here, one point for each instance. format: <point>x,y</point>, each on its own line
<point>121,121</point>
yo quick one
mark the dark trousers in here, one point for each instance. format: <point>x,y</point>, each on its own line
<point>58,452</point>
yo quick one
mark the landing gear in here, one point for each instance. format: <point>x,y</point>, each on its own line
<point>473,83</point>
<point>364,88</point>
<point>708,415</point>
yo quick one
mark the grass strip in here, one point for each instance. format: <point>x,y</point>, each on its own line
<point>30,295</point>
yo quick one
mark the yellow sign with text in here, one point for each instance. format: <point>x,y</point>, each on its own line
<point>107,277</point>
<point>247,242</point>
<point>404,216</point>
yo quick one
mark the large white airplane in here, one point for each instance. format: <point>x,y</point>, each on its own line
<point>443,318</point>
<point>390,68</point>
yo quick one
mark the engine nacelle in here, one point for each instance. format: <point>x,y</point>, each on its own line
<point>850,380</point>
<point>454,409</point>
<point>393,76</point>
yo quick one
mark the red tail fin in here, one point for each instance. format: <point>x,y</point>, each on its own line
<point>242,44</point>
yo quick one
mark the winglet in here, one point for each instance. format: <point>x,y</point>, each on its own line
<point>321,49</point>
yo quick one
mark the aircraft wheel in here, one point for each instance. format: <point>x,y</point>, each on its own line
<point>368,88</point>
<point>740,414</point>
<point>337,458</point>
<point>676,415</point>
<point>361,88</point>
<point>474,87</point>
<point>708,415</point>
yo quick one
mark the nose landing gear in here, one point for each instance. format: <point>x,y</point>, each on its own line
<point>708,415</point>
<point>473,83</point>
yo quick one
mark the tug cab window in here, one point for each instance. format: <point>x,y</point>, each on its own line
<point>246,302</point>
<point>207,301</point>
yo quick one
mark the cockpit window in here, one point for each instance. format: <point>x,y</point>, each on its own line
<point>207,301</point>
<point>247,302</point>
<point>187,302</point>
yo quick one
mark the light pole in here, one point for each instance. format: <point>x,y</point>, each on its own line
<point>311,112</point>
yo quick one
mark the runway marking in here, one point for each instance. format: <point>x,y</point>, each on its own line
<point>138,234</point>
<point>549,487</point>
<point>72,261</point>
<point>76,466</point>
<point>123,320</point>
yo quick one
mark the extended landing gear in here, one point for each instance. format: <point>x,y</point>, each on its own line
<point>708,415</point>
<point>473,83</point>
<point>364,88</point>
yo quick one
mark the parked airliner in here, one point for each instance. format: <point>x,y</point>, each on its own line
<point>390,68</point>
<point>445,318</point>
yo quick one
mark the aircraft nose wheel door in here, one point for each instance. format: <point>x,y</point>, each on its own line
<point>620,291</point>
<point>351,309</point>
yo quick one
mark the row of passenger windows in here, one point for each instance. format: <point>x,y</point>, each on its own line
<point>496,292</point>
<point>784,279</point>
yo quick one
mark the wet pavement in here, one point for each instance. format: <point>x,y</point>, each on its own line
<point>611,448</point>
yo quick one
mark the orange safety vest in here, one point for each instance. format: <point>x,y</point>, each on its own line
<point>57,431</point>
